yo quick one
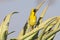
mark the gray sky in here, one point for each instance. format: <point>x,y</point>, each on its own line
<point>24,6</point>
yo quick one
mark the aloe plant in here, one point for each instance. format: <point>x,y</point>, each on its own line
<point>48,28</point>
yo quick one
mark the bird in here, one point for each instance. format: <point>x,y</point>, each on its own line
<point>32,18</point>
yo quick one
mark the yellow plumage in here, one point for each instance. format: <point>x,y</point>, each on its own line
<point>32,18</point>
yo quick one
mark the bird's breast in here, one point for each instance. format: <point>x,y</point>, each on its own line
<point>32,20</point>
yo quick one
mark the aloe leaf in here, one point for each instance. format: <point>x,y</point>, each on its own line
<point>37,28</point>
<point>4,26</point>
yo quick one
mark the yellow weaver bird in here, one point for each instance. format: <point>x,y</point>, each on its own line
<point>32,18</point>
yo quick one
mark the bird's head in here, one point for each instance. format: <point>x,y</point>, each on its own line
<point>34,10</point>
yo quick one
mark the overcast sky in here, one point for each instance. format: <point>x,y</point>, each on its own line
<point>24,6</point>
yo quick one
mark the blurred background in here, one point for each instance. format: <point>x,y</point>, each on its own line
<point>23,7</point>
